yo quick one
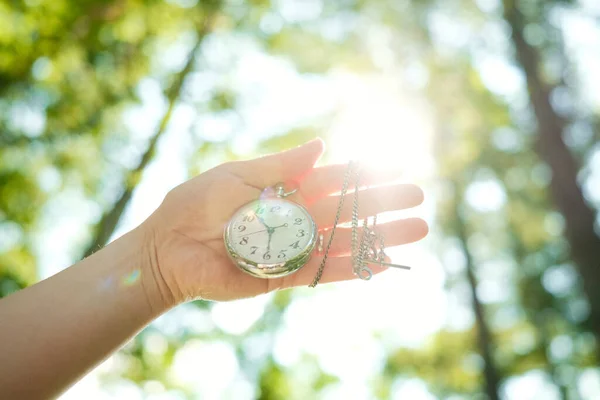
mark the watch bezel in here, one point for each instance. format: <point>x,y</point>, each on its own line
<point>270,270</point>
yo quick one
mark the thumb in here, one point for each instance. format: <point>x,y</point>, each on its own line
<point>281,167</point>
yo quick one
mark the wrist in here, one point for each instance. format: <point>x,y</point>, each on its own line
<point>156,290</point>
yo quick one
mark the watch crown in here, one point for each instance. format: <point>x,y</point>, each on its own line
<point>280,190</point>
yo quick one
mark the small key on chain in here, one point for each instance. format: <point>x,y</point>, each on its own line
<point>386,264</point>
<point>369,273</point>
<point>368,241</point>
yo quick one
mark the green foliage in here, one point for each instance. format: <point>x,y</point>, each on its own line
<point>449,363</point>
<point>274,384</point>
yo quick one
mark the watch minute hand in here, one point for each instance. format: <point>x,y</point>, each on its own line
<point>270,237</point>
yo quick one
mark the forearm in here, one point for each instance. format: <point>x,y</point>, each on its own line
<point>54,332</point>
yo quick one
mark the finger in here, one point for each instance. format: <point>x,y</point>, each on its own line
<point>395,233</point>
<point>326,180</point>
<point>288,165</point>
<point>337,269</point>
<point>371,202</point>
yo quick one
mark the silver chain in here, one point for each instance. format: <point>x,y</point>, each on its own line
<point>371,246</point>
<point>357,249</point>
<point>335,223</point>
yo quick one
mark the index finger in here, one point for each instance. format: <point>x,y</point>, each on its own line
<point>279,167</point>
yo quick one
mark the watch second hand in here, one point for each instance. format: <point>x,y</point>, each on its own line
<point>265,230</point>
<point>248,234</point>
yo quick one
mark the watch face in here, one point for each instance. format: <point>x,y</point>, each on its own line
<point>271,231</point>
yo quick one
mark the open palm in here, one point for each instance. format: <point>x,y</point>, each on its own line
<point>189,256</point>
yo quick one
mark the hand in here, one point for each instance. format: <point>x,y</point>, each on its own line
<point>188,254</point>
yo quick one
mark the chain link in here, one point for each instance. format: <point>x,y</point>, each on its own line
<point>357,249</point>
<point>335,222</point>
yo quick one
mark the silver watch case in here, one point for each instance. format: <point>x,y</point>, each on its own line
<point>271,270</point>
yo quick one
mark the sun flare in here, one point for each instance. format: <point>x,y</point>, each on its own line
<point>378,124</point>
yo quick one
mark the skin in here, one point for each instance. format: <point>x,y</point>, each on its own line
<point>56,331</point>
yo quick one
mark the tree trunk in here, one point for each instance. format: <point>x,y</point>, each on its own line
<point>492,380</point>
<point>535,314</point>
<point>565,191</point>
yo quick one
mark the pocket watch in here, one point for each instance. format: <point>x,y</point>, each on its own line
<point>271,237</point>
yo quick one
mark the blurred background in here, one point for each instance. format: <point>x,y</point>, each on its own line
<point>493,106</point>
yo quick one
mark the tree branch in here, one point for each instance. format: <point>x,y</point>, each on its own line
<point>109,221</point>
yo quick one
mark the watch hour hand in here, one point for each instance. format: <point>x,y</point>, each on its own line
<point>262,221</point>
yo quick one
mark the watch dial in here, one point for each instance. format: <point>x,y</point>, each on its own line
<point>270,231</point>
